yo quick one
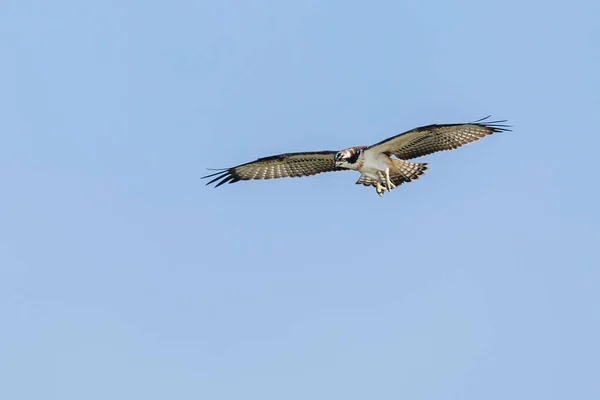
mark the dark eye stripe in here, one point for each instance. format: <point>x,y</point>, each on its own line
<point>353,158</point>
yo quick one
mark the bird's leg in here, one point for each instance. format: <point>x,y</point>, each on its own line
<point>388,182</point>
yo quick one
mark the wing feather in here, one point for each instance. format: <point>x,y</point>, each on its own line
<point>287,165</point>
<point>433,138</point>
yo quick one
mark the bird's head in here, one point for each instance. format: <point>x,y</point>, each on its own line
<point>347,158</point>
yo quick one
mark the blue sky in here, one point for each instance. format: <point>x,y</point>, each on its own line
<point>122,276</point>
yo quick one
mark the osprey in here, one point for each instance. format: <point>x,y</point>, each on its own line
<point>375,163</point>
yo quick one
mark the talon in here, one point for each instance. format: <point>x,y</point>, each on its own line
<point>380,189</point>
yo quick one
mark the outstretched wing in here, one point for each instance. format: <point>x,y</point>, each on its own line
<point>433,138</point>
<point>288,165</point>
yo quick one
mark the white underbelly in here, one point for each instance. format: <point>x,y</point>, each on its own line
<point>374,163</point>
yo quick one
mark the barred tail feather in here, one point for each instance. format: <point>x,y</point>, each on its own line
<point>405,171</point>
<point>402,171</point>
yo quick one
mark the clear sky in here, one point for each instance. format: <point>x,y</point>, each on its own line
<point>123,277</point>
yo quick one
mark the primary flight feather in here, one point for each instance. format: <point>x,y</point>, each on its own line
<point>375,162</point>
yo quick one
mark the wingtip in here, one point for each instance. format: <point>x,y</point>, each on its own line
<point>482,119</point>
<point>222,175</point>
<point>219,171</point>
<point>497,126</point>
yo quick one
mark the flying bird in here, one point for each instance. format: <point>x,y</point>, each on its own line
<point>383,165</point>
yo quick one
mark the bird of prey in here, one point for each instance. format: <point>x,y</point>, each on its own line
<point>383,165</point>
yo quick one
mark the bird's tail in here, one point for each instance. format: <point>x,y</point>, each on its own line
<point>405,171</point>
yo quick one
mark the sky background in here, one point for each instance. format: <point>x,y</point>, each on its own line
<point>122,276</point>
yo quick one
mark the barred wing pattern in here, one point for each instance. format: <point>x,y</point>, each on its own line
<point>288,165</point>
<point>433,138</point>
